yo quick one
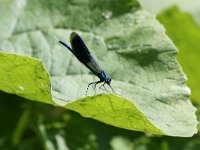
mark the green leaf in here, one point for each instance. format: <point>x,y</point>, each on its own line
<point>24,76</point>
<point>186,39</point>
<point>131,47</point>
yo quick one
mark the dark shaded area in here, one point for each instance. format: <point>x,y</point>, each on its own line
<point>11,109</point>
<point>85,15</point>
<point>77,132</point>
<point>144,58</point>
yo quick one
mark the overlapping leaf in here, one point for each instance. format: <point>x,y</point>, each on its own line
<point>129,44</point>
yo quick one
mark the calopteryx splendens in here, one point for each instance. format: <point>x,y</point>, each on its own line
<point>82,53</point>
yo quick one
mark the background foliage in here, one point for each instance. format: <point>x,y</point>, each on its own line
<point>26,125</point>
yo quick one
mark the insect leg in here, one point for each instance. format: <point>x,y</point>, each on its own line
<point>94,87</point>
<point>112,89</point>
<point>101,86</point>
<point>105,88</point>
<point>89,86</point>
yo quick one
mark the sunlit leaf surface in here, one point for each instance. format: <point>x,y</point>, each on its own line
<point>129,44</point>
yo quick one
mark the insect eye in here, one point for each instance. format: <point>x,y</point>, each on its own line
<point>108,80</point>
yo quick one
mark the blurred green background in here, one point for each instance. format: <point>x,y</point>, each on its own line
<point>30,125</point>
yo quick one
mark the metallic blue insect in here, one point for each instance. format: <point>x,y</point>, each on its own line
<point>82,53</point>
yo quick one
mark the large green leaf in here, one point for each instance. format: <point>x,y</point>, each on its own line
<point>131,47</point>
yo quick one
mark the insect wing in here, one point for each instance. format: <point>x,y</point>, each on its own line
<point>78,45</point>
<point>83,54</point>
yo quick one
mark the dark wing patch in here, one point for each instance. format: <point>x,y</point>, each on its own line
<point>83,54</point>
<point>78,45</point>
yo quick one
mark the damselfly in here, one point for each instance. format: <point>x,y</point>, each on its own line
<point>82,53</point>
